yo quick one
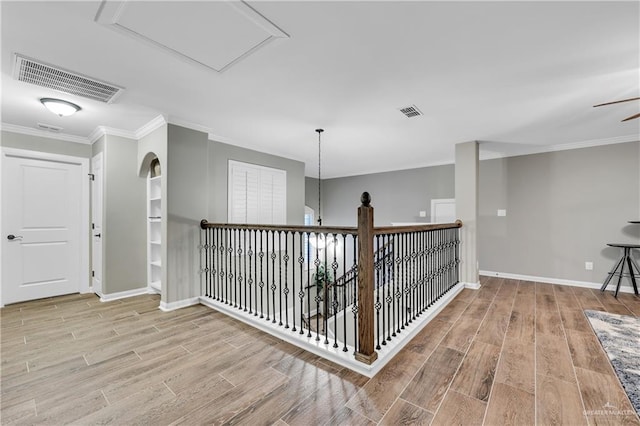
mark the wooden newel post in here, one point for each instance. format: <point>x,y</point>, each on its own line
<point>365,351</point>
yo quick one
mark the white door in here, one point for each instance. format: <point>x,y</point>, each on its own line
<point>41,225</point>
<point>96,223</point>
<point>443,210</point>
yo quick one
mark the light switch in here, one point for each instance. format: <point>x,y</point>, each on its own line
<point>502,212</point>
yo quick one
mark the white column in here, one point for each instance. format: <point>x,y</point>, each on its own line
<point>466,186</point>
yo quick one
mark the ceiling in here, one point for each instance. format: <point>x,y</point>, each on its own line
<point>517,76</point>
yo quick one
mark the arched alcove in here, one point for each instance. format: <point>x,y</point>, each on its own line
<point>145,165</point>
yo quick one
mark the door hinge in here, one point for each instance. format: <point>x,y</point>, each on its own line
<point>93,226</point>
<point>92,176</point>
<point>93,273</point>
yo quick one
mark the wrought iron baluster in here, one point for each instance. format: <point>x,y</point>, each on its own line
<point>213,273</point>
<point>261,256</point>
<point>236,262</point>
<point>286,282</point>
<point>301,292</point>
<point>334,302</point>
<point>377,305</point>
<point>389,271</point>
<point>204,255</point>
<point>344,293</point>
<point>405,280</point>
<point>414,274</point>
<point>244,270</point>
<point>255,264</point>
<point>325,292</point>
<point>250,256</point>
<point>354,306</point>
<point>273,273</point>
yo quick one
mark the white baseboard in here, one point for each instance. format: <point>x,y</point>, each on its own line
<point>472,286</point>
<point>559,281</point>
<point>346,359</point>
<point>172,306</point>
<point>123,294</point>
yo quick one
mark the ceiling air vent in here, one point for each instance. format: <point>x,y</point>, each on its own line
<point>411,111</point>
<point>45,75</point>
<point>49,128</point>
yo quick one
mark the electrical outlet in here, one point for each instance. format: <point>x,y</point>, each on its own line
<point>502,212</point>
<point>422,213</point>
<point>588,266</point>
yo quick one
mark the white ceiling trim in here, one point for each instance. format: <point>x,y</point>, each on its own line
<point>160,120</point>
<point>593,142</point>
<point>103,130</point>
<point>540,149</point>
<point>154,124</point>
<point>44,134</point>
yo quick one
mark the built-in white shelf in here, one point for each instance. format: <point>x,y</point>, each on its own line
<point>154,240</point>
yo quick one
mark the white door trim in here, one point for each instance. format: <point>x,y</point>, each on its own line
<point>85,200</point>
<point>99,157</point>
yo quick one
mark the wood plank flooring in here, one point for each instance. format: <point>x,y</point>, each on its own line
<point>513,352</point>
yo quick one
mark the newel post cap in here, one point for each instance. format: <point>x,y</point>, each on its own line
<point>365,199</point>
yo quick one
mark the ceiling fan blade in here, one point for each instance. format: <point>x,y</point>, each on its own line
<point>616,102</point>
<point>632,117</point>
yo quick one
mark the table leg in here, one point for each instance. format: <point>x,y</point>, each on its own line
<point>611,274</point>
<point>632,273</point>
<point>624,257</point>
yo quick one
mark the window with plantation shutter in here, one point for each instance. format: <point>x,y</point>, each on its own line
<point>257,194</point>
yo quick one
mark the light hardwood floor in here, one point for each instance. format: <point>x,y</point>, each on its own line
<point>510,353</point>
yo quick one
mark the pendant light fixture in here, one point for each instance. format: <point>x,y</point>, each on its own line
<point>319,179</point>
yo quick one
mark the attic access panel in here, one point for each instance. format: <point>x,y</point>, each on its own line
<point>213,34</point>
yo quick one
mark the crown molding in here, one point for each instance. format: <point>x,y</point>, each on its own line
<point>44,134</point>
<point>541,149</point>
<point>200,128</point>
<point>594,142</point>
<point>154,124</point>
<point>177,121</point>
<point>111,131</point>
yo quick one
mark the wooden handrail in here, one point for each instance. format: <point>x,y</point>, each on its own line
<point>386,230</point>
<point>204,224</point>
<point>380,230</point>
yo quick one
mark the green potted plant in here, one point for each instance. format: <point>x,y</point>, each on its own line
<point>322,276</point>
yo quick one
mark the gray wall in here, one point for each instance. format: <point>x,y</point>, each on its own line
<point>41,144</point>
<point>187,196</point>
<point>562,209</point>
<point>124,216</point>
<point>397,196</point>
<point>311,193</point>
<point>219,156</point>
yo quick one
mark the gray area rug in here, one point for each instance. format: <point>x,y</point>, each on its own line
<point>620,338</point>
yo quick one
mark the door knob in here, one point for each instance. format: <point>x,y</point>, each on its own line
<point>12,237</point>
<point>98,235</point>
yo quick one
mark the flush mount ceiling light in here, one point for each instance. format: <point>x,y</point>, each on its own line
<point>60,107</point>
